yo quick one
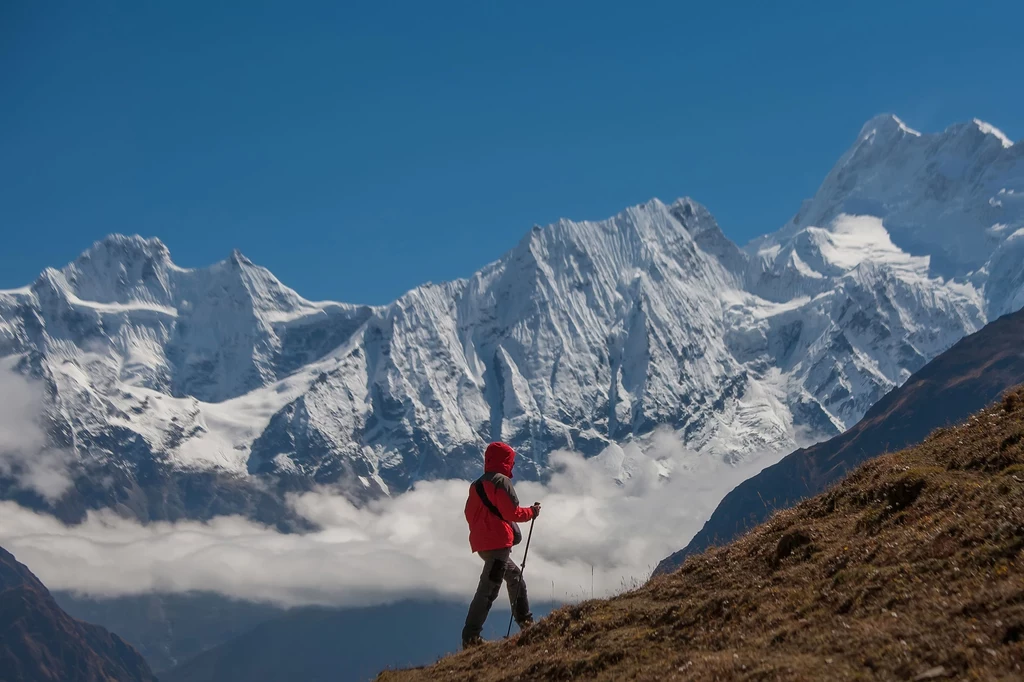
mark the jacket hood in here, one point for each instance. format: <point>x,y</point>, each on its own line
<point>499,458</point>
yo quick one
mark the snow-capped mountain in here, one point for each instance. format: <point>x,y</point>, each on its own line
<point>586,333</point>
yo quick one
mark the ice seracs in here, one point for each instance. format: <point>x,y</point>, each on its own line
<point>586,334</point>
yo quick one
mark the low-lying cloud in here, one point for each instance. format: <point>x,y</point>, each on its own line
<point>25,455</point>
<point>413,545</point>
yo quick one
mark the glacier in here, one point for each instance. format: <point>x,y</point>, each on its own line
<point>196,392</point>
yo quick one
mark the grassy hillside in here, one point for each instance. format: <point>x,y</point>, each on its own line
<point>909,569</point>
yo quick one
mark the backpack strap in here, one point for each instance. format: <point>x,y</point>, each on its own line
<point>482,494</point>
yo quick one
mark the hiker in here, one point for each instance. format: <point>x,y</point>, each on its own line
<point>492,512</point>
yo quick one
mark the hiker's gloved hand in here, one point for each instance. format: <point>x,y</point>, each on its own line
<point>536,509</point>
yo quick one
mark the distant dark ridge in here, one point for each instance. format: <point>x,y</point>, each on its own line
<point>41,643</point>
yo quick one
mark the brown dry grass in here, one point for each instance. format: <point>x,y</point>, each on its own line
<point>911,568</point>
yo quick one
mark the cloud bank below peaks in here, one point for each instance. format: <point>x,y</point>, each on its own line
<point>620,513</point>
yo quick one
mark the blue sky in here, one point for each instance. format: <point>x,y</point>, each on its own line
<point>360,149</point>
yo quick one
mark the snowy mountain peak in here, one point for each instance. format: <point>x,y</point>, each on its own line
<point>587,333</point>
<point>975,142</point>
<point>702,226</point>
<point>886,125</point>
<point>989,129</point>
<point>238,258</point>
<point>953,196</point>
<point>127,247</point>
<point>693,215</point>
<point>121,269</point>
<point>628,238</point>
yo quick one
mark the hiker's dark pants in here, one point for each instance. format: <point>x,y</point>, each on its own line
<point>497,567</point>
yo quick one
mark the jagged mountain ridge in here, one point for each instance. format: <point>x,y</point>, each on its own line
<point>586,333</point>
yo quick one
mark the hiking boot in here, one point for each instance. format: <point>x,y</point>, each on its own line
<point>525,623</point>
<point>472,642</point>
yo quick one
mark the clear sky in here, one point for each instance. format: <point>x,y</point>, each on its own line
<point>358,149</point>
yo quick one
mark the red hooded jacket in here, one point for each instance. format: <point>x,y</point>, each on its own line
<point>487,531</point>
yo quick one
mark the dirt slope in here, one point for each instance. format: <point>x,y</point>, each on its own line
<point>909,569</point>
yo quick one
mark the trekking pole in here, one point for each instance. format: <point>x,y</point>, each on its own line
<point>519,586</point>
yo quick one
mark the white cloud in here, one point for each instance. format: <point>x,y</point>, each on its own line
<point>409,546</point>
<point>24,454</point>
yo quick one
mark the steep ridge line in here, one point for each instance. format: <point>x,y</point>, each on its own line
<point>39,642</point>
<point>910,568</point>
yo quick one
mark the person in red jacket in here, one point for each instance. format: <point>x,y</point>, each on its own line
<point>491,535</point>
